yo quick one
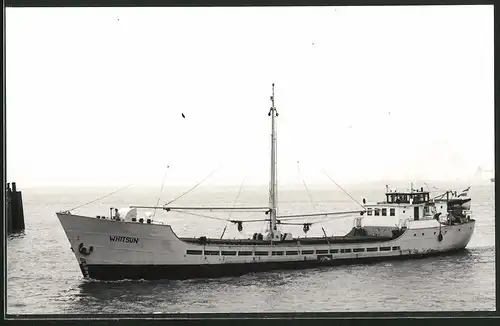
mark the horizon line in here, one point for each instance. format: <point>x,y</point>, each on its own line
<point>256,185</point>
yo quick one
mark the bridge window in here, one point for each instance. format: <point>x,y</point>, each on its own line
<point>291,253</point>
<point>261,253</point>
<point>211,253</point>
<point>228,253</point>
<point>392,212</point>
<point>345,250</point>
<point>369,212</point>
<point>334,251</point>
<point>377,212</point>
<point>193,252</point>
<point>320,252</point>
<point>372,249</point>
<point>396,248</point>
<point>244,253</point>
<point>277,253</point>
<point>358,250</point>
<point>307,252</point>
<point>384,211</point>
<point>385,248</point>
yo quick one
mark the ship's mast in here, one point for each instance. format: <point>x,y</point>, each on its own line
<point>273,186</point>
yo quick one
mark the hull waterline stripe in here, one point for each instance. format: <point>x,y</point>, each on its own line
<point>179,272</point>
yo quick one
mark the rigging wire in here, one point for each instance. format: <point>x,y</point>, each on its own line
<point>344,190</point>
<point>93,201</point>
<point>211,209</point>
<point>223,231</point>
<point>200,215</point>
<point>325,214</point>
<point>311,223</point>
<point>218,218</point>
<point>259,220</point>
<point>305,186</point>
<point>205,208</point>
<point>161,190</point>
<point>194,186</point>
<point>234,204</point>
<point>323,219</point>
<point>279,222</point>
<point>237,196</point>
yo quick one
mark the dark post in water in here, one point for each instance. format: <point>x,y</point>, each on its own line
<point>15,212</point>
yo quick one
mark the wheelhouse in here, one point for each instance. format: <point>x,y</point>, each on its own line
<point>413,197</point>
<point>414,205</point>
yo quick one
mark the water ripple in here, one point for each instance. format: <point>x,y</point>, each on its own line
<point>43,277</point>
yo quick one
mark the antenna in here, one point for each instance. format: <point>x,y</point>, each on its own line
<point>272,101</point>
<point>272,97</point>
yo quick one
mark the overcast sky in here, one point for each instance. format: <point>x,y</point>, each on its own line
<point>95,95</point>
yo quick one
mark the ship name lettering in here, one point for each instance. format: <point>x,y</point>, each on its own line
<point>119,238</point>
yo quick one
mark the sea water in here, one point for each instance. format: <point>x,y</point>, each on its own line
<point>43,276</point>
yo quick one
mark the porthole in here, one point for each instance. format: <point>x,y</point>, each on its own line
<point>458,230</point>
<point>414,234</point>
<point>422,234</point>
<point>434,233</point>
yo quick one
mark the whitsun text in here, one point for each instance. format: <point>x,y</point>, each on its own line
<point>119,238</point>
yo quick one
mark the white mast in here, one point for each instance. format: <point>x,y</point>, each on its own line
<point>274,234</point>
